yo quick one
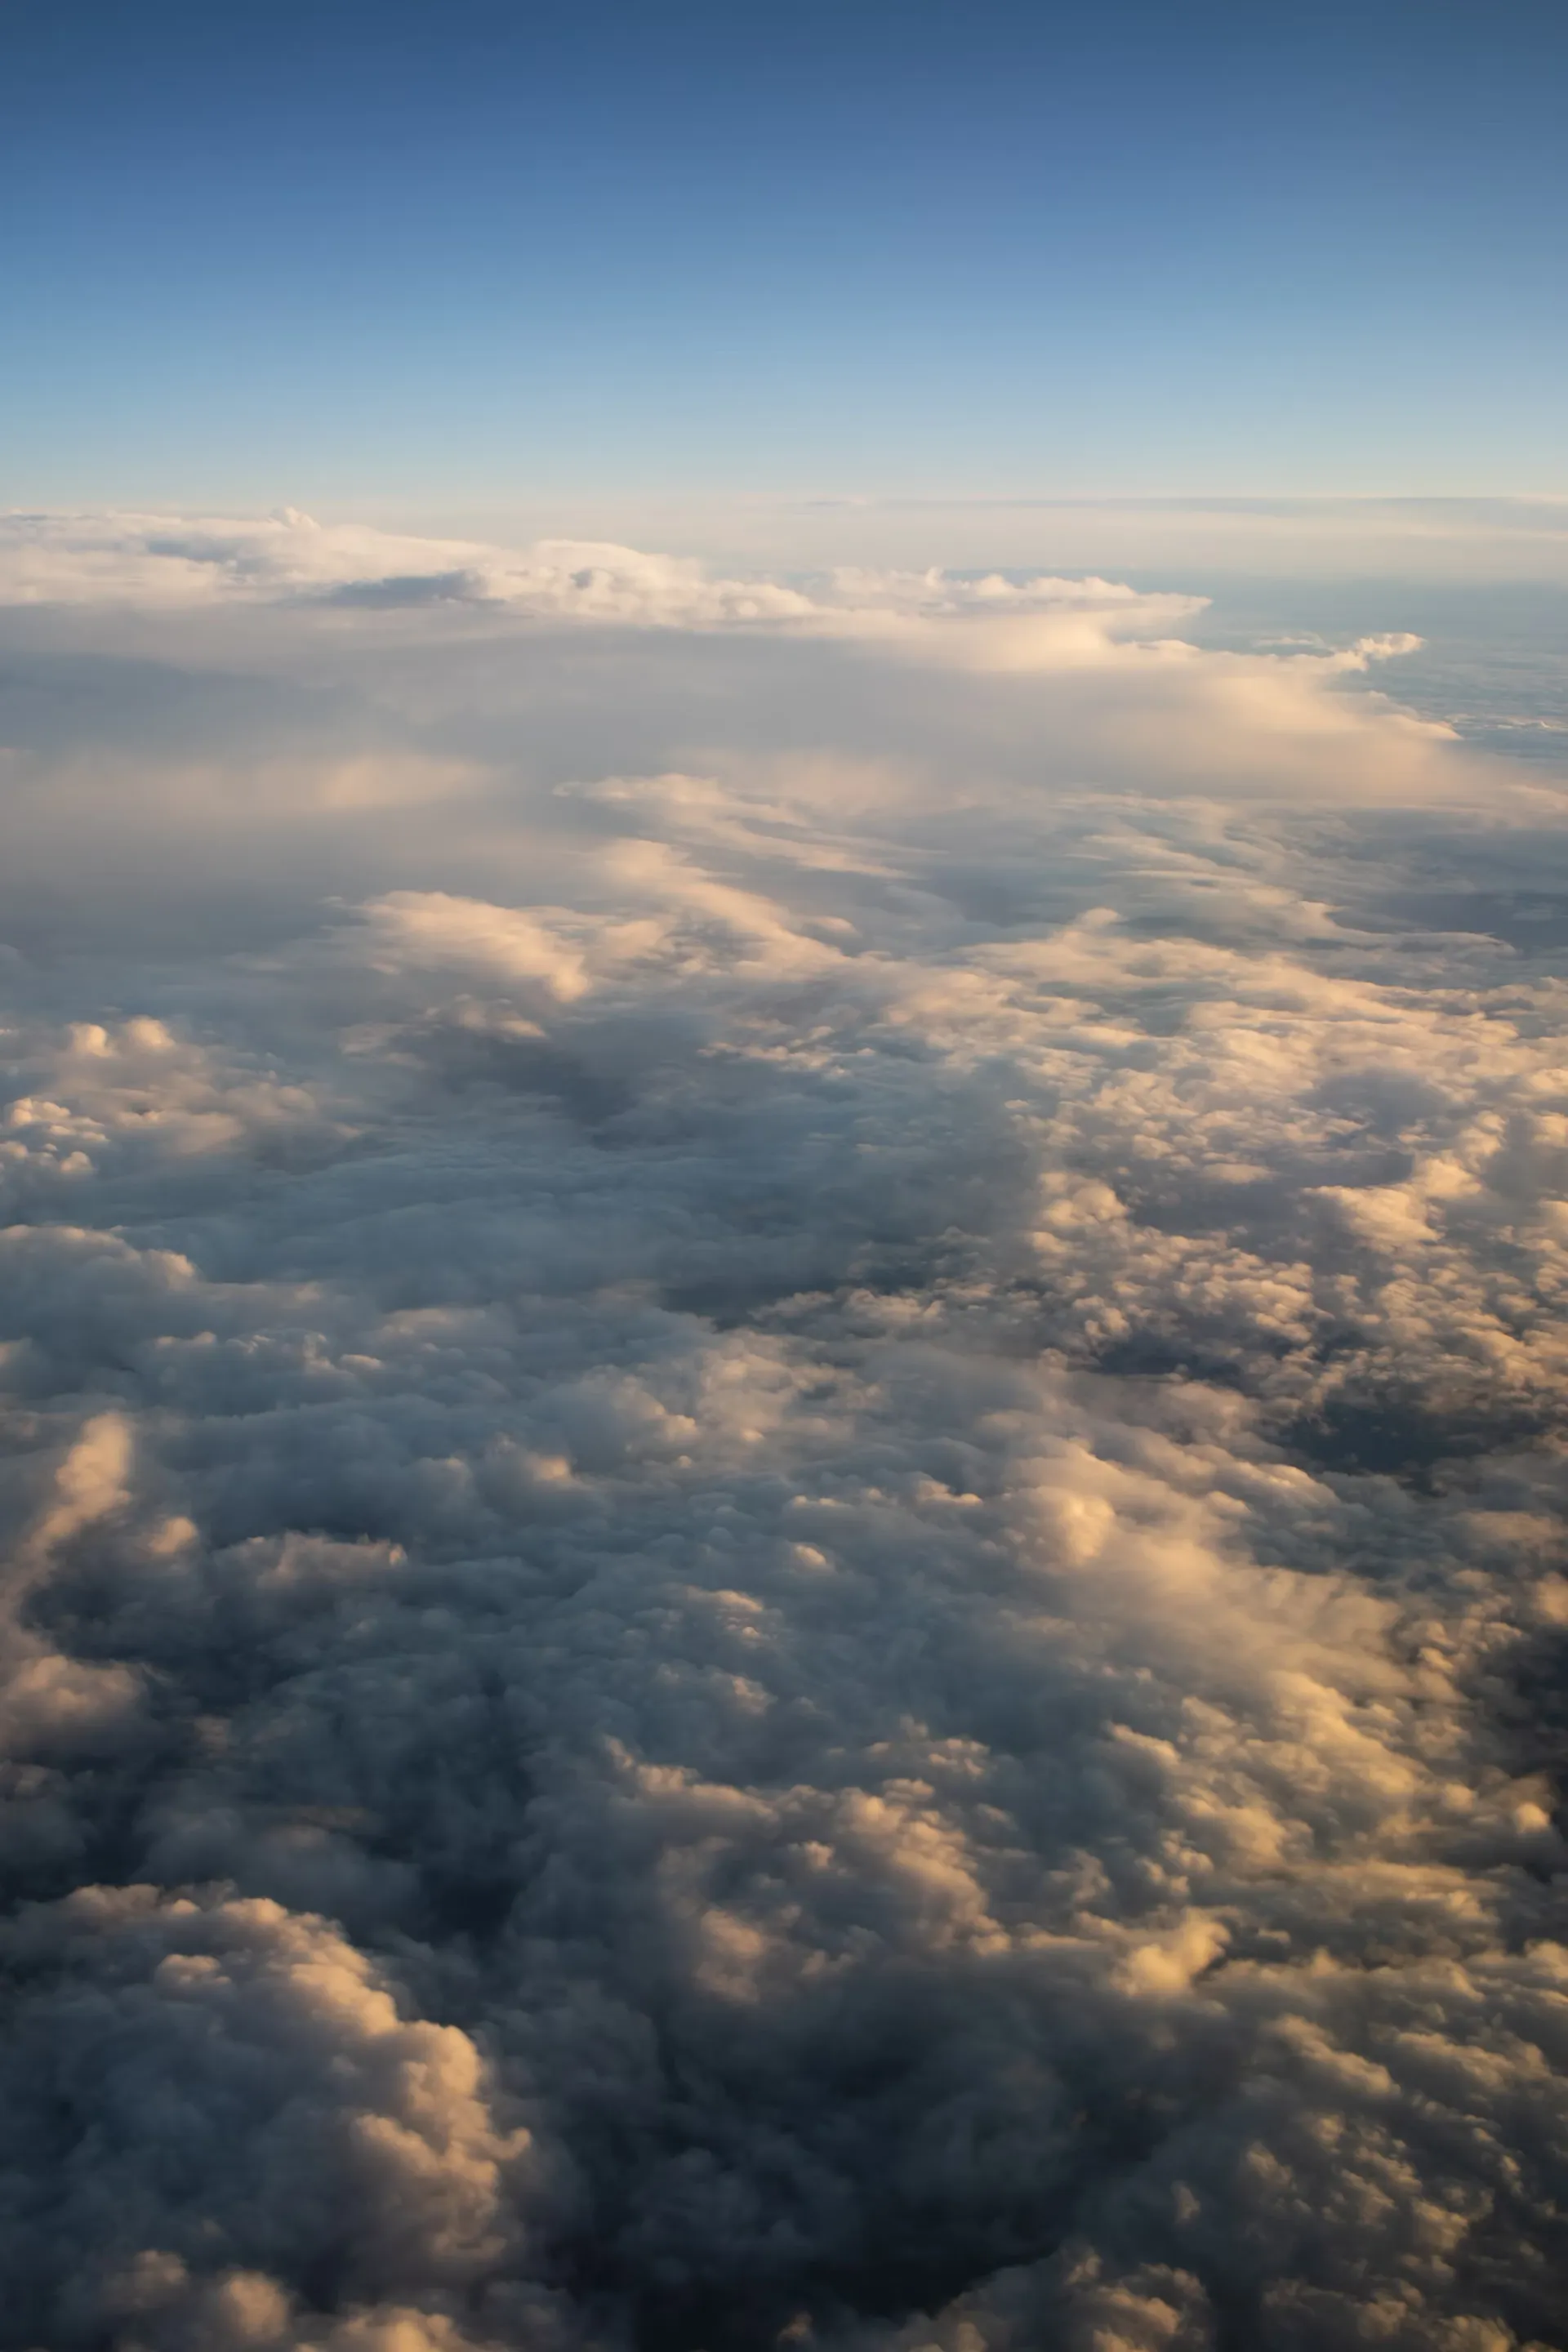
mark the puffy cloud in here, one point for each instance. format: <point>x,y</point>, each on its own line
<point>106,557</point>
<point>787,1526</point>
<point>111,557</point>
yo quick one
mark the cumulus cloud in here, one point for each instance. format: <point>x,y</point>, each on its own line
<point>113,557</point>
<point>785,1520</point>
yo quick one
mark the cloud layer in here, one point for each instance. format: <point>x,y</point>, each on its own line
<point>114,558</point>
<point>785,1517</point>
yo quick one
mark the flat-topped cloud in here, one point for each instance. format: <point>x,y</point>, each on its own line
<point>110,557</point>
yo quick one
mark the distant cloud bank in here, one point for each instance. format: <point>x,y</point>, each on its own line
<point>110,557</point>
<point>784,1375</point>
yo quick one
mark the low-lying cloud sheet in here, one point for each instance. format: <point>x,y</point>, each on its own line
<point>784,1375</point>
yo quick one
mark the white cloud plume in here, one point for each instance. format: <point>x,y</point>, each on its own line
<point>789,1526</point>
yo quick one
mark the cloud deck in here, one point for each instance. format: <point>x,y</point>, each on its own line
<point>785,1520</point>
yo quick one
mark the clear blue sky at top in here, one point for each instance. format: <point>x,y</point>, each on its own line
<point>391,249</point>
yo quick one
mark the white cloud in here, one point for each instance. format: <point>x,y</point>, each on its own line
<point>789,1519</point>
<point>107,557</point>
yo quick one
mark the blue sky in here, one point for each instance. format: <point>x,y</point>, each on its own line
<point>428,258</point>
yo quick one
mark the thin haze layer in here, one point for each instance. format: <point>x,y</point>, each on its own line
<point>784,1391</point>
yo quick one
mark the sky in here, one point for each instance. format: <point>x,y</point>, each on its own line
<point>439,266</point>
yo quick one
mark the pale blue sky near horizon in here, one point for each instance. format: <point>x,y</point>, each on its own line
<point>438,262</point>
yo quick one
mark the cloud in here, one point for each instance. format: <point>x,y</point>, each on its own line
<point>786,1522</point>
<point>108,558</point>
